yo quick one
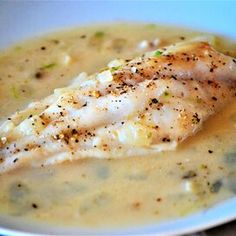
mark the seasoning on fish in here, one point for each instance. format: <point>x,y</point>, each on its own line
<point>138,107</point>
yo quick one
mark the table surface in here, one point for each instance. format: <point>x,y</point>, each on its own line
<point>228,229</point>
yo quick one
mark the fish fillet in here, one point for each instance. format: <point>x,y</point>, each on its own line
<point>132,107</point>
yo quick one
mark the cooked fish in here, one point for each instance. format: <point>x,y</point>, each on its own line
<point>132,107</point>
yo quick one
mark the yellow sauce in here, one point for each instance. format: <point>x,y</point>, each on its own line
<point>130,191</point>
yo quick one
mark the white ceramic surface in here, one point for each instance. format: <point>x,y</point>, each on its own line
<point>24,19</point>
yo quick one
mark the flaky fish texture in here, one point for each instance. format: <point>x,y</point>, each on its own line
<point>132,107</point>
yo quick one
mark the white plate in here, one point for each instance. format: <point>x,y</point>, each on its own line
<point>23,19</point>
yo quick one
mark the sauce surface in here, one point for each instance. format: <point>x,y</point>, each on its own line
<point>130,191</point>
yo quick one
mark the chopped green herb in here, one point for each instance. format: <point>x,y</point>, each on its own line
<point>149,135</point>
<point>18,48</point>
<point>113,69</point>
<point>104,68</point>
<point>99,34</point>
<point>151,26</point>
<point>97,39</point>
<point>55,41</point>
<point>158,53</point>
<point>203,166</point>
<point>102,199</point>
<point>230,158</point>
<point>49,66</point>
<point>18,192</point>
<point>216,186</point>
<point>138,176</point>
<point>190,174</point>
<point>15,92</point>
<point>166,94</point>
<point>103,172</point>
<point>230,182</point>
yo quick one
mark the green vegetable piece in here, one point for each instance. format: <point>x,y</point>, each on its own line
<point>85,207</point>
<point>97,39</point>
<point>18,192</point>
<point>18,48</point>
<point>49,66</point>
<point>102,199</point>
<point>103,172</point>
<point>158,53</point>
<point>15,92</point>
<point>137,177</point>
<point>216,186</point>
<point>230,182</point>
<point>190,174</point>
<point>151,26</point>
<point>166,94</point>
<point>230,158</point>
<point>113,69</point>
<point>99,34</point>
<point>149,135</point>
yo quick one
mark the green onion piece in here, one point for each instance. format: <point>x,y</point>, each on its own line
<point>15,92</point>
<point>151,26</point>
<point>113,69</point>
<point>48,66</point>
<point>157,53</point>
<point>99,34</point>
<point>17,48</point>
<point>97,39</point>
<point>166,94</point>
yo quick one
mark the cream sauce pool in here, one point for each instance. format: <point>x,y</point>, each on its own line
<point>100,193</point>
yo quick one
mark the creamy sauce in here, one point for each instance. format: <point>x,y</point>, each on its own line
<point>96,193</point>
